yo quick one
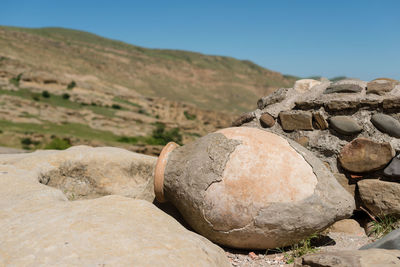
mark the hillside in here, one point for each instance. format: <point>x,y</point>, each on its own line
<point>62,87</point>
<point>209,82</point>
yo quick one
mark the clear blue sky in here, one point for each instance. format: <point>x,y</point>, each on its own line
<point>359,38</point>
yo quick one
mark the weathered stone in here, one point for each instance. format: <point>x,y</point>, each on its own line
<point>303,140</point>
<point>267,120</point>
<point>275,97</point>
<point>351,258</point>
<point>343,181</point>
<point>364,155</point>
<point>304,85</point>
<point>380,87</point>
<point>334,105</point>
<point>244,118</point>
<point>40,227</point>
<point>85,172</point>
<point>391,103</point>
<point>389,241</point>
<point>296,120</point>
<point>346,86</point>
<point>320,120</point>
<point>380,197</point>
<point>393,169</point>
<point>345,125</point>
<point>248,188</point>
<point>386,124</point>
<point>348,226</point>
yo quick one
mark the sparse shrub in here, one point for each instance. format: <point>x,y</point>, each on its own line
<point>65,96</point>
<point>71,85</point>
<point>383,225</point>
<point>116,106</point>
<point>15,81</point>
<point>129,140</point>
<point>27,142</point>
<point>161,137</point>
<point>45,94</point>
<point>144,112</point>
<point>93,104</point>
<point>58,144</point>
<point>189,116</point>
<point>35,97</point>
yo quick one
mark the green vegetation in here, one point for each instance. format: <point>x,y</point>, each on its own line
<point>189,116</point>
<point>59,144</point>
<point>116,106</point>
<point>159,136</point>
<point>27,142</point>
<point>15,80</point>
<point>45,94</point>
<point>383,225</point>
<point>65,96</point>
<point>123,101</point>
<point>71,85</point>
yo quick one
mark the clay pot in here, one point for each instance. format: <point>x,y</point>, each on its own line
<point>248,188</point>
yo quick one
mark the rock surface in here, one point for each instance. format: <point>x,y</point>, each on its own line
<point>275,185</point>
<point>351,258</point>
<point>348,226</point>
<point>346,86</point>
<point>305,85</point>
<point>386,124</point>
<point>345,125</point>
<point>320,120</point>
<point>389,241</point>
<point>364,155</point>
<point>40,227</point>
<point>380,86</point>
<point>296,120</point>
<point>380,197</point>
<point>86,172</point>
<point>393,169</point>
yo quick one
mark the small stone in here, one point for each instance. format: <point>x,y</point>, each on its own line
<point>393,169</point>
<point>267,120</point>
<point>386,124</point>
<point>296,120</point>
<point>346,86</point>
<point>380,87</point>
<point>253,255</point>
<point>380,197</point>
<point>320,120</point>
<point>348,226</point>
<point>345,125</point>
<point>303,140</point>
<point>364,155</point>
<point>244,118</point>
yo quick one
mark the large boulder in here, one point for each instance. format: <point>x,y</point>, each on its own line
<point>380,197</point>
<point>40,227</point>
<point>86,172</point>
<point>248,188</point>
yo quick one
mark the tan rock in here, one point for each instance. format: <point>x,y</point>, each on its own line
<point>86,172</point>
<point>41,228</point>
<point>320,119</point>
<point>348,226</point>
<point>380,197</point>
<point>343,181</point>
<point>380,86</point>
<point>296,120</point>
<point>305,85</point>
<point>363,155</point>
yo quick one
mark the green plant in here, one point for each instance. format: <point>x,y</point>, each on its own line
<point>189,116</point>
<point>65,96</point>
<point>59,144</point>
<point>383,225</point>
<point>71,85</point>
<point>15,80</point>
<point>126,139</point>
<point>27,142</point>
<point>116,106</point>
<point>35,97</point>
<point>160,136</point>
<point>45,94</point>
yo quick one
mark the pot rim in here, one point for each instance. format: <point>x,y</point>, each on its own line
<point>160,169</point>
